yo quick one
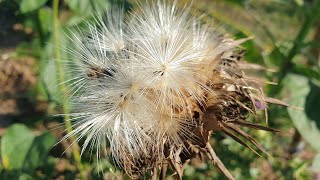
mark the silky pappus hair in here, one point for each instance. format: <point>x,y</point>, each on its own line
<point>155,85</point>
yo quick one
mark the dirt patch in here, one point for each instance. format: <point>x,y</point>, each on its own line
<point>18,77</point>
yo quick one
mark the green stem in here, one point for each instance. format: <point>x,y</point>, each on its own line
<point>75,147</point>
<point>287,66</point>
<point>298,42</point>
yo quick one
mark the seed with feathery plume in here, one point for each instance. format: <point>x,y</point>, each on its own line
<point>155,86</point>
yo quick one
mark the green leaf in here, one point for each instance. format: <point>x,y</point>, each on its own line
<point>48,73</point>
<point>306,94</point>
<point>86,7</point>
<point>30,5</point>
<point>45,17</point>
<point>21,149</point>
<point>39,151</point>
<point>15,145</point>
<point>316,163</point>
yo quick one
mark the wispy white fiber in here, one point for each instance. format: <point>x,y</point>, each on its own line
<point>135,80</point>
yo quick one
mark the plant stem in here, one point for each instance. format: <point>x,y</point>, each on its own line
<point>298,42</point>
<point>61,79</point>
<point>287,66</point>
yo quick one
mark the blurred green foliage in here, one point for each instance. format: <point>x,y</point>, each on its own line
<point>286,39</point>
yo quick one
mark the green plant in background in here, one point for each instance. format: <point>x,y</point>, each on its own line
<point>286,39</point>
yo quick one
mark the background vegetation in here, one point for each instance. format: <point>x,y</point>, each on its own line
<point>286,39</point>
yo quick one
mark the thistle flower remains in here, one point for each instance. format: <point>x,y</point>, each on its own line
<point>155,84</point>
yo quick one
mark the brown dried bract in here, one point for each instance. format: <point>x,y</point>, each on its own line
<point>226,111</point>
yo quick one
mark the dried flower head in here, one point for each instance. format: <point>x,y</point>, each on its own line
<point>154,85</point>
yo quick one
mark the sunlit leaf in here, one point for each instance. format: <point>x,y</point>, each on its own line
<point>21,149</point>
<point>15,145</point>
<point>306,94</point>
<point>316,163</point>
<point>30,5</point>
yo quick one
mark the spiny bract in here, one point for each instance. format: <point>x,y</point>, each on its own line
<point>154,84</point>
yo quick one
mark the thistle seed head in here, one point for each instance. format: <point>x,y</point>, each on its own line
<point>154,86</point>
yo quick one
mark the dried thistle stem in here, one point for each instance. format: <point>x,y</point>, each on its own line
<point>163,173</point>
<point>215,159</point>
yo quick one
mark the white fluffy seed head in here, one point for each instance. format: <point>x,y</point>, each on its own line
<point>135,82</point>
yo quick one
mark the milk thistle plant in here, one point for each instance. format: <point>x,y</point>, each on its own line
<point>153,85</point>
